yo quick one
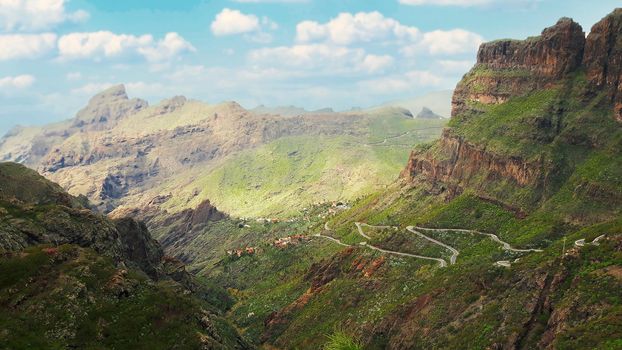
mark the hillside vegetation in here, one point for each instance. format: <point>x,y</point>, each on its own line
<point>525,185</point>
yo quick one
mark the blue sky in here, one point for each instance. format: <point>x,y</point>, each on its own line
<point>55,54</point>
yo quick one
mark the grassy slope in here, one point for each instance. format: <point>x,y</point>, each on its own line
<point>55,298</point>
<point>74,297</point>
<point>475,304</point>
<point>286,175</point>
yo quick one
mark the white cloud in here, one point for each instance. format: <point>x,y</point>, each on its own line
<point>272,1</point>
<point>32,15</point>
<point>171,46</point>
<point>17,82</point>
<point>375,63</point>
<point>229,22</point>
<point>28,46</point>
<point>320,57</point>
<point>464,3</point>
<point>395,84</point>
<point>347,29</point>
<point>445,42</point>
<point>104,44</point>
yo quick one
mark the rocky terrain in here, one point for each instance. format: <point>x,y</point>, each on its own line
<point>505,233</point>
<point>531,156</point>
<point>74,278</point>
<point>120,152</point>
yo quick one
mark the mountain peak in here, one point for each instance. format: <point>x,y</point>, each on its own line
<point>113,93</point>
<point>107,107</point>
<point>427,113</point>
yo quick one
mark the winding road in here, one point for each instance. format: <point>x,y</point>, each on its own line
<point>506,245</point>
<point>452,260</point>
<point>378,143</point>
<point>581,242</point>
<point>454,251</point>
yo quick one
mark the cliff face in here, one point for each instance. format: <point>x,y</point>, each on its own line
<point>509,69</point>
<point>463,160</point>
<point>603,58</point>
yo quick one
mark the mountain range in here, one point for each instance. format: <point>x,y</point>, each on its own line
<point>500,228</point>
<point>121,152</point>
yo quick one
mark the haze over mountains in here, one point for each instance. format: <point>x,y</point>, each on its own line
<point>500,228</point>
<point>120,151</point>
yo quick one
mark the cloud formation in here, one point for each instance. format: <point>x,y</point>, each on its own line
<point>230,22</point>
<point>349,28</point>
<point>34,15</point>
<point>26,46</point>
<point>368,27</point>
<point>105,44</point>
<point>17,82</point>
<point>320,58</point>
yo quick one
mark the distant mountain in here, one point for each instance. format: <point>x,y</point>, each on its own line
<point>439,102</point>
<point>288,111</point>
<point>427,113</point>
<point>122,154</point>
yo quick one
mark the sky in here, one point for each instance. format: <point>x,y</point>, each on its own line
<point>56,54</point>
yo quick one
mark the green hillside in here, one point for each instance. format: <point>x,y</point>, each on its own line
<point>503,234</point>
<point>282,177</point>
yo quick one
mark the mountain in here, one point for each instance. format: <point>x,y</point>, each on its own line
<point>439,102</point>
<point>123,154</point>
<point>288,111</point>
<point>71,278</point>
<point>427,113</point>
<point>503,234</point>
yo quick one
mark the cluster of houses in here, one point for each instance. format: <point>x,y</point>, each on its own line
<point>242,251</point>
<point>284,242</point>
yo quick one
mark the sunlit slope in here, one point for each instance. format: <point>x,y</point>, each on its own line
<point>291,173</point>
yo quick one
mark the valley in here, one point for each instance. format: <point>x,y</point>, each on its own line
<point>188,225</point>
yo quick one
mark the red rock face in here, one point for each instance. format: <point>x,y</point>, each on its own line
<point>603,58</point>
<point>508,68</point>
<point>464,160</point>
<point>557,51</point>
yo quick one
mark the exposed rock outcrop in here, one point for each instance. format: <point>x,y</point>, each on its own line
<point>463,160</point>
<point>512,68</point>
<point>107,108</point>
<point>508,68</point>
<point>603,58</point>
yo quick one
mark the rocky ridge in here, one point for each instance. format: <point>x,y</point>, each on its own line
<point>508,69</point>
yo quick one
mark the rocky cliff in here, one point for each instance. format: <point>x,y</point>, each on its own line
<point>508,68</point>
<point>72,278</point>
<point>550,84</point>
<point>36,211</point>
<point>603,58</point>
<point>105,109</point>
